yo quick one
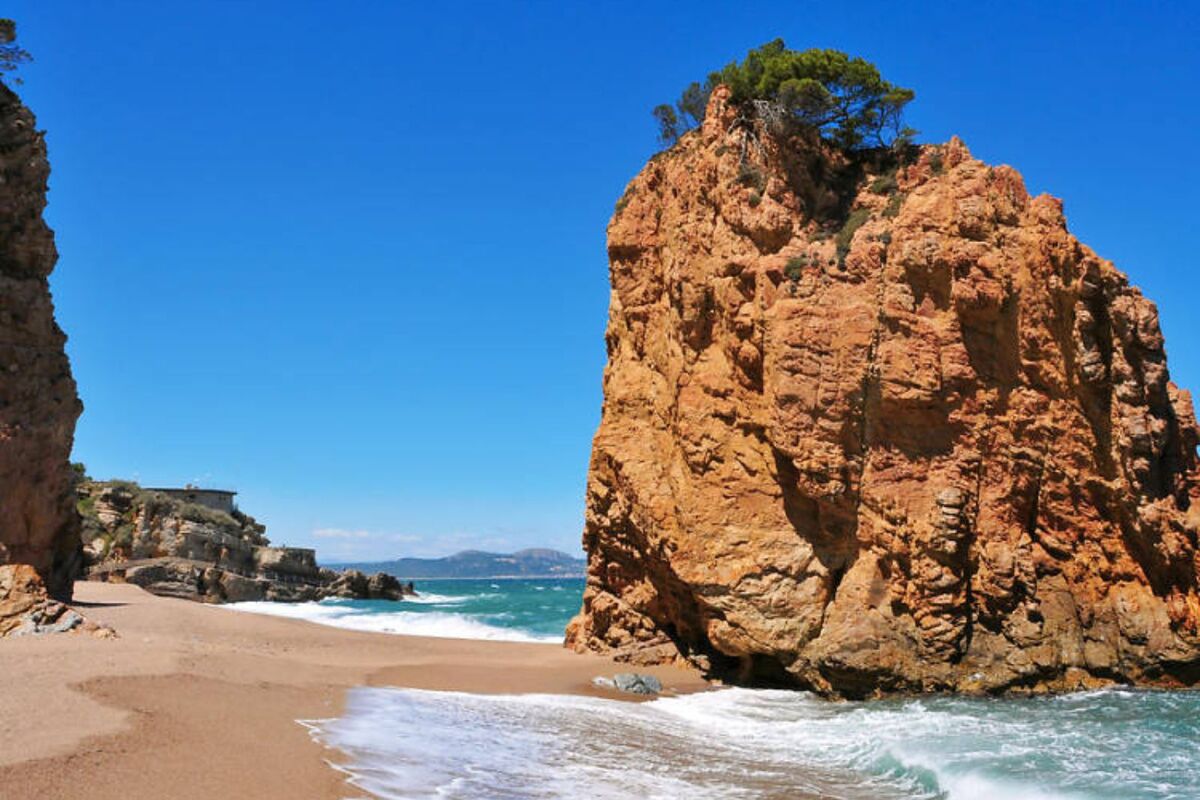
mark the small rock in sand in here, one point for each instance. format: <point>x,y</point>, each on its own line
<point>634,683</point>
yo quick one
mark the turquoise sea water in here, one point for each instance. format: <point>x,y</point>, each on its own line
<point>732,743</point>
<point>519,610</point>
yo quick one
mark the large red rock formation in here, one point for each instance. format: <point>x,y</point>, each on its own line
<point>38,405</point>
<point>870,431</point>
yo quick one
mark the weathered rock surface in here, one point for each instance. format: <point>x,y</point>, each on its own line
<point>633,683</point>
<point>38,404</point>
<point>25,607</point>
<point>869,429</point>
<point>180,549</point>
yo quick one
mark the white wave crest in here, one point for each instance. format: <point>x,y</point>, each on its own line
<point>439,624</point>
<point>429,598</point>
<point>739,743</point>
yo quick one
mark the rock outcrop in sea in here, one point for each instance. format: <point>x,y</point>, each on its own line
<point>39,530</point>
<point>882,424</point>
<point>181,549</point>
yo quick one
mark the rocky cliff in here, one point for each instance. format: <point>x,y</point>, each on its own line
<point>39,534</point>
<point>882,424</point>
<point>181,549</point>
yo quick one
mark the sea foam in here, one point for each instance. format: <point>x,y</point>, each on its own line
<point>739,743</point>
<point>439,624</point>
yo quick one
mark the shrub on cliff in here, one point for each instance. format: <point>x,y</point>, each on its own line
<point>194,512</point>
<point>843,97</point>
<point>846,234</point>
<point>12,55</point>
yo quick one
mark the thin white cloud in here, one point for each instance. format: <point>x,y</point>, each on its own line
<point>340,533</point>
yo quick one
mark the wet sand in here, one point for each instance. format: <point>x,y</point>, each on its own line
<point>195,701</point>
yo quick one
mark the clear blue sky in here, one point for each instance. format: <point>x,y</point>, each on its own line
<point>348,258</point>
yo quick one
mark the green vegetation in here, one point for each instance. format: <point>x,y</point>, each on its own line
<point>669,128</point>
<point>155,503</point>
<point>844,98</point>
<point>846,234</point>
<point>147,502</point>
<point>884,184</point>
<point>623,201</point>
<point>123,536</point>
<point>795,267</point>
<point>755,199</point>
<point>751,176</point>
<point>128,486</point>
<point>936,163</point>
<point>12,55</point>
<point>197,513</point>
<point>148,508</point>
<point>86,506</point>
<point>893,206</point>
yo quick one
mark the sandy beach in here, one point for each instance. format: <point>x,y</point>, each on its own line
<point>195,701</point>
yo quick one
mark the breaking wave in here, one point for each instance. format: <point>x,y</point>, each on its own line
<point>352,616</point>
<point>739,743</point>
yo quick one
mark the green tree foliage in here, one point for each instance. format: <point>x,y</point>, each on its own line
<point>668,124</point>
<point>12,55</point>
<point>687,113</point>
<point>693,101</point>
<point>843,97</point>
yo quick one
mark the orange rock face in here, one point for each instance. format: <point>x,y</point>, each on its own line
<point>868,431</point>
<point>38,405</point>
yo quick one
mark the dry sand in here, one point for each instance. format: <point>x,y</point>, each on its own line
<point>195,701</point>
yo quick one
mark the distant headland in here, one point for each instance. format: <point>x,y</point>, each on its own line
<point>531,563</point>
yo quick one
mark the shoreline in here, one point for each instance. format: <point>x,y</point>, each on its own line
<point>580,577</point>
<point>195,701</point>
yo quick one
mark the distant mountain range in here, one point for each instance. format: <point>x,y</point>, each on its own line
<point>532,563</point>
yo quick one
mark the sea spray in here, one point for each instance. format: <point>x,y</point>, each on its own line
<point>737,743</point>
